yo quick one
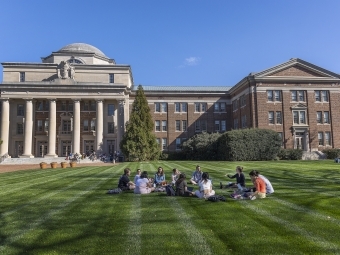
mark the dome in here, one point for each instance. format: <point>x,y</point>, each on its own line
<point>81,47</point>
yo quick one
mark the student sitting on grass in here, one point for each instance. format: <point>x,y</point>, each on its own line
<point>240,179</point>
<point>196,176</point>
<point>175,175</point>
<point>124,181</point>
<point>205,187</point>
<point>137,175</point>
<point>181,185</point>
<point>260,186</point>
<point>269,187</point>
<point>159,176</point>
<point>144,184</point>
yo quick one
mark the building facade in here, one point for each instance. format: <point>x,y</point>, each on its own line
<point>78,100</point>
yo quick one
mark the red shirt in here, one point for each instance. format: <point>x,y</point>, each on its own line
<point>260,185</point>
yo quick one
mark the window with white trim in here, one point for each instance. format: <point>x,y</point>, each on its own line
<point>184,125</point>
<point>161,107</point>
<point>299,117</point>
<point>164,143</point>
<point>219,107</point>
<point>157,125</point>
<point>181,107</point>
<point>200,107</point>
<point>320,138</point>
<point>178,125</point>
<point>164,125</point>
<point>298,95</point>
<point>321,96</point>
<point>274,95</point>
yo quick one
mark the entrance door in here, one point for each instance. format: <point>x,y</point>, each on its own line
<point>300,141</point>
<point>66,148</point>
<point>19,148</point>
<point>42,149</point>
<point>110,146</point>
<point>88,146</point>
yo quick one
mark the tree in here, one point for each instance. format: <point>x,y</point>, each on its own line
<point>139,142</point>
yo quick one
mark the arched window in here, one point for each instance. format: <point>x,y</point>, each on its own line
<point>74,61</point>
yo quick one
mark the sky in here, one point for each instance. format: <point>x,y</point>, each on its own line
<point>177,42</point>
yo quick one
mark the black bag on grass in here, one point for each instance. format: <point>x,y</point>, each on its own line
<point>216,198</point>
<point>114,191</point>
<point>170,190</point>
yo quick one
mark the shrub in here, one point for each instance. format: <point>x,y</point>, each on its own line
<point>332,153</point>
<point>202,146</point>
<point>249,144</point>
<point>290,154</point>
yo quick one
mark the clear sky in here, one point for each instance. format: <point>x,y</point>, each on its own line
<point>177,42</point>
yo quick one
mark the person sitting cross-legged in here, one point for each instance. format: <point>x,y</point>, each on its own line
<point>196,176</point>
<point>205,187</point>
<point>144,184</point>
<point>124,181</point>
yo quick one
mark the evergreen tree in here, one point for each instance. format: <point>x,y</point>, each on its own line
<point>139,142</point>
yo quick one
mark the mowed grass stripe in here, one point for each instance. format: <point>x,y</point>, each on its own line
<point>39,181</point>
<point>314,240</point>
<point>134,229</point>
<point>34,224</point>
<point>49,194</point>
<point>196,239</point>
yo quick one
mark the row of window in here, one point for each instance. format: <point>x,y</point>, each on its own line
<point>200,125</point>
<point>88,125</point>
<point>297,95</point>
<point>299,117</point>
<point>164,142</point>
<point>66,106</point>
<point>183,107</point>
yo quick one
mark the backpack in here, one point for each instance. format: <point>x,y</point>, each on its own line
<point>114,191</point>
<point>216,198</point>
<point>170,190</point>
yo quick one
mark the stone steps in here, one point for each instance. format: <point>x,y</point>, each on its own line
<point>28,161</point>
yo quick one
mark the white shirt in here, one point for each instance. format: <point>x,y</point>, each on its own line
<point>269,187</point>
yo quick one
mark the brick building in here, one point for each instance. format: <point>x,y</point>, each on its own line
<point>78,100</point>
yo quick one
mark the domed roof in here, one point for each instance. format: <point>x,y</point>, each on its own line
<point>81,47</point>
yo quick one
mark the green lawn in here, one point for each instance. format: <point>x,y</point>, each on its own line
<point>66,211</point>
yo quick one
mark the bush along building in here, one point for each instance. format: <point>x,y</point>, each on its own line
<point>78,100</point>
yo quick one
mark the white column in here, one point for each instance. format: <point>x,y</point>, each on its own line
<point>99,126</point>
<point>4,127</point>
<point>76,127</point>
<point>52,129</point>
<point>28,129</point>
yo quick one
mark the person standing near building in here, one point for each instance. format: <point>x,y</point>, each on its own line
<point>196,176</point>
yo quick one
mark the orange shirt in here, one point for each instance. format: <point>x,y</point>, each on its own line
<point>260,185</point>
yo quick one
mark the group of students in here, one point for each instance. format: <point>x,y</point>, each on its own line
<point>142,184</point>
<point>261,185</point>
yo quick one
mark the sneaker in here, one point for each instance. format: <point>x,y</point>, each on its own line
<point>221,186</point>
<point>253,198</point>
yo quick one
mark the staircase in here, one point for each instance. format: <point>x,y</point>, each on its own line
<point>313,155</point>
<point>28,161</point>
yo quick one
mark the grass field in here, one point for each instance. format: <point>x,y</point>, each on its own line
<point>66,211</point>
